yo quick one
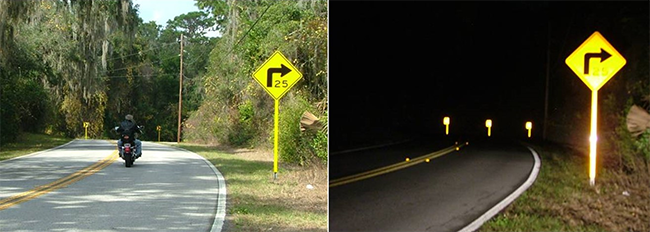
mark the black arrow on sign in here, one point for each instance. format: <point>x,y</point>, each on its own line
<point>603,55</point>
<point>283,70</point>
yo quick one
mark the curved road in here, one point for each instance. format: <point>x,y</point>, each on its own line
<point>82,187</point>
<point>446,194</point>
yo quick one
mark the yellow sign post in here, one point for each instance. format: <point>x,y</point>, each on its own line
<point>488,124</point>
<point>595,62</point>
<point>286,76</point>
<point>446,122</point>
<point>158,128</point>
<point>529,126</point>
<point>86,124</point>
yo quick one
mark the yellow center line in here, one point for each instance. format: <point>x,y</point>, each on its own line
<point>393,167</point>
<point>60,183</point>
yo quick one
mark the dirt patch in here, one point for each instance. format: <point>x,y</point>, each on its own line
<point>253,154</point>
<point>309,185</point>
<point>619,203</point>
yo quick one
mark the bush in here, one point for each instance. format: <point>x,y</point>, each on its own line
<point>625,152</point>
<point>243,131</point>
<point>295,146</point>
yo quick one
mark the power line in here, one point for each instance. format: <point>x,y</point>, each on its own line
<point>113,70</point>
<point>139,52</point>
<point>201,53</point>
<point>249,30</point>
<point>125,76</point>
<point>174,56</point>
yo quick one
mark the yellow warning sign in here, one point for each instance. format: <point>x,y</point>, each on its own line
<point>277,75</point>
<point>595,61</point>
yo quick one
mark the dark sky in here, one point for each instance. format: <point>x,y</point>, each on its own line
<point>399,67</point>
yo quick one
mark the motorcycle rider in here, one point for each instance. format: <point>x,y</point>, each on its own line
<point>128,127</point>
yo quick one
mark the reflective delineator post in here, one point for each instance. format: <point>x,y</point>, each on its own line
<point>86,124</point>
<point>158,128</point>
<point>446,122</point>
<point>593,137</point>
<point>488,124</point>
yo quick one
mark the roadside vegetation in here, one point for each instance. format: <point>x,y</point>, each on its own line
<point>29,143</point>
<point>257,202</point>
<point>561,198</point>
<point>96,61</point>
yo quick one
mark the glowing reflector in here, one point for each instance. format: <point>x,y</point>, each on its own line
<point>446,122</point>
<point>488,124</point>
<point>529,126</point>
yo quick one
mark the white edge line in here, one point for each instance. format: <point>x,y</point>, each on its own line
<point>220,216</point>
<point>503,204</point>
<point>38,152</point>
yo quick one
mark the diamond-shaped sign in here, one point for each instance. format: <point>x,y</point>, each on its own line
<point>595,61</point>
<point>277,75</point>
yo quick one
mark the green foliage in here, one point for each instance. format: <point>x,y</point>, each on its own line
<point>625,152</point>
<point>32,109</point>
<point>319,145</point>
<point>295,146</point>
<point>252,31</point>
<point>23,99</point>
<point>243,131</point>
<point>96,61</point>
<point>9,116</point>
<point>642,145</point>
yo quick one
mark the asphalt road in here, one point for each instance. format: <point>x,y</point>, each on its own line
<point>445,194</point>
<point>81,187</point>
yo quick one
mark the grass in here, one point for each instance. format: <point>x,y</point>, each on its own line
<point>561,198</point>
<point>257,202</point>
<point>28,143</point>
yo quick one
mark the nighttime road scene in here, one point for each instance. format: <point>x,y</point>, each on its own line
<point>489,116</point>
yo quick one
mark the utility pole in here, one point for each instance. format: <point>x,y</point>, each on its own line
<point>180,94</point>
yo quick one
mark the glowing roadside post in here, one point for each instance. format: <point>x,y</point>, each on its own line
<point>488,124</point>
<point>446,122</point>
<point>529,126</point>
<point>595,62</point>
<point>86,124</point>
<point>277,87</point>
<point>158,128</point>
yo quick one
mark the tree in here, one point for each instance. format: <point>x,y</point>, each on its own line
<point>236,111</point>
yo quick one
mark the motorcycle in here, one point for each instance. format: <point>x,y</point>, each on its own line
<point>127,150</point>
